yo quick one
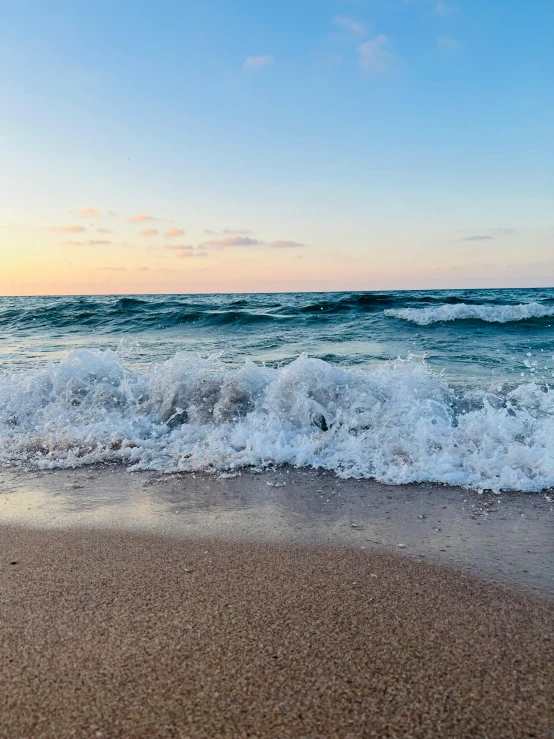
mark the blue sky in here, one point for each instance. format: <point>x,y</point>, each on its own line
<point>373,133</point>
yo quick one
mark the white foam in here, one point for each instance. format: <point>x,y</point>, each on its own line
<point>463,311</point>
<point>397,423</point>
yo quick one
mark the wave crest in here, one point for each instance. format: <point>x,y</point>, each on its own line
<point>465,311</point>
<point>398,423</point>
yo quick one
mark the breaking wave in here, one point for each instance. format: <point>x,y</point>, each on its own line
<point>464,311</point>
<point>397,423</point>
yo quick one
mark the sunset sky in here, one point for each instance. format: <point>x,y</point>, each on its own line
<point>219,146</point>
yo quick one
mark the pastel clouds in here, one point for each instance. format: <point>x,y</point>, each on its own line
<point>373,55</point>
<point>187,251</point>
<point>285,245</point>
<point>173,232</point>
<point>90,242</point>
<point>225,241</point>
<point>254,63</point>
<point>89,212</point>
<point>478,238</point>
<point>141,218</point>
<point>69,228</point>
<point>190,254</point>
<point>149,232</point>
<point>234,231</point>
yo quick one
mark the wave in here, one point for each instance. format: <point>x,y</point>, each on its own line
<point>397,423</point>
<point>465,311</point>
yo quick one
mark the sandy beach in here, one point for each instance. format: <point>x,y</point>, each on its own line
<point>134,635</point>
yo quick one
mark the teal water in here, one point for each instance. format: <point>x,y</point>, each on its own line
<point>443,386</point>
<point>347,329</point>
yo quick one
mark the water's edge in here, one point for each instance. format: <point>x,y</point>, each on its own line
<point>508,539</point>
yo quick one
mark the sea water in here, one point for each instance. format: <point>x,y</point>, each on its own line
<point>446,386</point>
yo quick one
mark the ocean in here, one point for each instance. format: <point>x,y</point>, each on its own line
<point>449,386</point>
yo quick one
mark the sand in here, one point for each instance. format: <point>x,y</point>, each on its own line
<point>109,635</point>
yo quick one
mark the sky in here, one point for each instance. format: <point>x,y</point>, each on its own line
<point>246,146</point>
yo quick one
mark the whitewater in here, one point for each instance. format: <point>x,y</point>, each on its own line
<point>454,387</point>
<point>464,312</point>
<point>399,423</point>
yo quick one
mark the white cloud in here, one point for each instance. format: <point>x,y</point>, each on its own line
<point>443,10</point>
<point>348,24</point>
<point>447,42</point>
<point>374,56</point>
<point>253,63</point>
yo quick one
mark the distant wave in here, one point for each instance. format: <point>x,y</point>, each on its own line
<point>464,311</point>
<point>397,423</point>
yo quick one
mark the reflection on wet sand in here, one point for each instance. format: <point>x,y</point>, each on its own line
<point>507,538</point>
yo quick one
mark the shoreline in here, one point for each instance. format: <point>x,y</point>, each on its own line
<point>507,538</point>
<point>120,634</point>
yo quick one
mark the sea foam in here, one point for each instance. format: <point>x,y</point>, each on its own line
<point>464,311</point>
<point>396,423</point>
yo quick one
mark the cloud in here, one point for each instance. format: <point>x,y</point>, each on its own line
<point>113,269</point>
<point>90,242</point>
<point>348,24</point>
<point>104,231</point>
<point>173,232</point>
<point>443,10</point>
<point>186,251</point>
<point>111,213</point>
<point>253,63</point>
<point>148,232</point>
<point>373,55</point>
<point>447,42</point>
<point>285,245</point>
<point>191,255</point>
<point>236,231</point>
<point>224,241</point>
<point>478,238</point>
<point>69,228</point>
<point>504,231</point>
<point>209,231</point>
<point>89,212</point>
<point>141,218</point>
<point>333,60</point>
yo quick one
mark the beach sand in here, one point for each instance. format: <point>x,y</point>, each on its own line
<point>113,634</point>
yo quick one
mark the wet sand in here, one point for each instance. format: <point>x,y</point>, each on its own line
<point>119,634</point>
<point>506,538</point>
